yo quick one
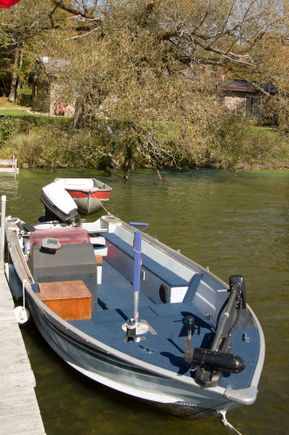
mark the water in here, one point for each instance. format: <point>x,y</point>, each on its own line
<point>231,222</point>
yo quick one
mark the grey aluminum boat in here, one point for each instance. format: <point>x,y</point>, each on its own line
<point>128,312</point>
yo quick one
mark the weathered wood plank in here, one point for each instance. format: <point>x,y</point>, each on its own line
<point>19,410</point>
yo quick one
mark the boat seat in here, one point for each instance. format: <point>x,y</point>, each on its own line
<point>193,287</point>
<point>70,262</point>
<point>64,235</point>
<point>165,274</point>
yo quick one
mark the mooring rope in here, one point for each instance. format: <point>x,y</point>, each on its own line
<point>101,204</point>
<point>223,415</point>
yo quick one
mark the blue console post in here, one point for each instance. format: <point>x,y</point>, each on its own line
<point>137,267</point>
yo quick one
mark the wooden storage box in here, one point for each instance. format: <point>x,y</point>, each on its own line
<point>71,300</point>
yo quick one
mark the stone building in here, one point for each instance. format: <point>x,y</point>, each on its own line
<point>46,87</point>
<point>242,97</point>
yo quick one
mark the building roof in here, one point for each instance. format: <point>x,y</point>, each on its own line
<point>238,86</point>
<point>53,65</point>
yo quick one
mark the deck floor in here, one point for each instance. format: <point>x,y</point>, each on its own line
<point>163,345</point>
<point>19,411</point>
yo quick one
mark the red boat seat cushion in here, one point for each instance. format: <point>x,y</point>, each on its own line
<point>64,235</point>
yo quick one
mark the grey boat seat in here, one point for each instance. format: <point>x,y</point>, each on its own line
<point>70,262</point>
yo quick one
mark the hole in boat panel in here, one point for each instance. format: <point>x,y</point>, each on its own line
<point>163,293</point>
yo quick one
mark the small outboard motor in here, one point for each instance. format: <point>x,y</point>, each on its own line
<point>59,204</point>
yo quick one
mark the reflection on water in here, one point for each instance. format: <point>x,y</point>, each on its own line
<point>9,184</point>
<point>231,222</point>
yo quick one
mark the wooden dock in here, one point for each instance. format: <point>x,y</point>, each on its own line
<point>19,410</point>
<point>9,166</point>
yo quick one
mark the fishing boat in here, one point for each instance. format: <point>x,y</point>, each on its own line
<point>88,193</point>
<point>127,311</point>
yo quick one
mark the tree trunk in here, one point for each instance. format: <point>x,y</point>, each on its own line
<point>78,113</point>
<point>18,85</point>
<point>14,80</point>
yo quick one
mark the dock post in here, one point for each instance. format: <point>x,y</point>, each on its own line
<point>2,234</point>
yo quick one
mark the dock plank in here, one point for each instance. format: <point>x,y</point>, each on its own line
<point>19,410</point>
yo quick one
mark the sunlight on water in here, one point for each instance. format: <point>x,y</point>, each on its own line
<point>231,222</point>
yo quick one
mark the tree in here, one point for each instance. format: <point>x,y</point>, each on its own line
<point>145,71</point>
<point>215,32</point>
<point>140,64</point>
<point>21,29</point>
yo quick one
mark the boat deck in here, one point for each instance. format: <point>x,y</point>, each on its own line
<point>164,344</point>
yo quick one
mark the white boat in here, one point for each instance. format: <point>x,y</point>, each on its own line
<point>130,313</point>
<point>66,197</point>
<point>88,193</point>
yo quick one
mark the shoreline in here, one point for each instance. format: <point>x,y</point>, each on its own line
<point>52,142</point>
<point>240,167</point>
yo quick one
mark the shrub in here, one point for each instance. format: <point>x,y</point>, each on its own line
<point>6,129</point>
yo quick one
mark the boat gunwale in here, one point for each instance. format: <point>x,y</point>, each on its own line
<point>81,187</point>
<point>87,189</point>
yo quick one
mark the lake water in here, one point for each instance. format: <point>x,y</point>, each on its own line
<point>233,222</point>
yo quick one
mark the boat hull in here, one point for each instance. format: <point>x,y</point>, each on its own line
<point>88,202</point>
<point>97,364</point>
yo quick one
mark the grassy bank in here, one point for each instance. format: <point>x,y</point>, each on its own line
<point>42,141</point>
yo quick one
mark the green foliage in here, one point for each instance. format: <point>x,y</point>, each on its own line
<point>6,129</point>
<point>14,112</point>
<point>50,142</point>
<point>228,143</point>
<point>144,74</point>
<point>25,95</point>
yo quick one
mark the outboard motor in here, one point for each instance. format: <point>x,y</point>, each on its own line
<point>59,204</point>
<point>217,359</point>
